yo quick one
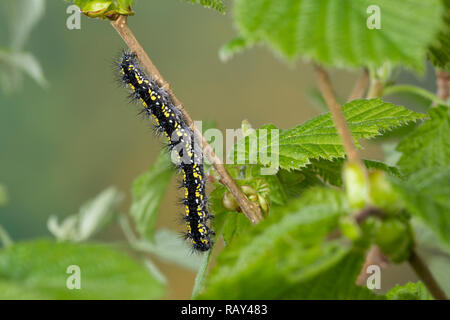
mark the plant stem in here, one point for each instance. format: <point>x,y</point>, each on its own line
<point>415,90</point>
<point>376,89</point>
<point>443,85</point>
<point>360,87</point>
<point>425,275</point>
<point>200,278</point>
<point>250,209</point>
<point>338,116</point>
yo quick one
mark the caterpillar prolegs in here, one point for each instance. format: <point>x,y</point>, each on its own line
<point>188,156</point>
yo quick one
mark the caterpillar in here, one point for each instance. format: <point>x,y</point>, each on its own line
<point>186,154</point>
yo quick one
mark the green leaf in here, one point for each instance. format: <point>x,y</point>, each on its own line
<point>148,191</point>
<point>439,52</point>
<point>426,195</point>
<point>17,63</point>
<point>213,4</point>
<point>409,291</point>
<point>22,16</point>
<point>104,9</point>
<point>428,146</point>
<point>38,270</point>
<point>93,216</point>
<point>171,247</point>
<point>337,282</point>
<point>282,252</point>
<point>335,32</point>
<point>318,137</point>
<point>236,225</point>
<point>234,46</point>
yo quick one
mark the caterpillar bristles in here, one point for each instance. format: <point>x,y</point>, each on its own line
<point>170,122</point>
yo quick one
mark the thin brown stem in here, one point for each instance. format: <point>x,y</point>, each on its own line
<point>360,87</point>
<point>425,275</point>
<point>376,89</point>
<point>337,114</point>
<point>250,209</point>
<point>443,85</point>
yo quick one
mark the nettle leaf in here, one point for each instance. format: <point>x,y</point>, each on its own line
<point>426,195</point>
<point>38,270</point>
<point>288,249</point>
<point>409,291</point>
<point>148,192</point>
<point>428,146</point>
<point>439,52</point>
<point>336,283</point>
<point>213,4</point>
<point>318,137</point>
<point>336,32</point>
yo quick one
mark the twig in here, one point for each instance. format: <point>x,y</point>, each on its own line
<point>443,85</point>
<point>368,212</point>
<point>338,116</point>
<point>425,275</point>
<point>376,89</point>
<point>360,87</point>
<point>250,209</point>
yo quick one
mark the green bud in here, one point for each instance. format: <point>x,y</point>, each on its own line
<point>395,239</point>
<point>229,202</point>
<point>263,203</point>
<point>248,190</point>
<point>382,194</point>
<point>356,186</point>
<point>95,9</point>
<point>246,128</point>
<point>349,228</point>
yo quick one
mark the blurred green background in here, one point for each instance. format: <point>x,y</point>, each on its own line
<point>62,145</point>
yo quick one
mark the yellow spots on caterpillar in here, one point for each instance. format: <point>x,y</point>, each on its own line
<point>132,87</point>
<point>138,79</point>
<point>143,102</point>
<point>153,98</point>
<point>123,71</point>
<point>156,119</point>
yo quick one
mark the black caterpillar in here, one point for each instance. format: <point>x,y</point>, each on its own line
<point>186,154</point>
